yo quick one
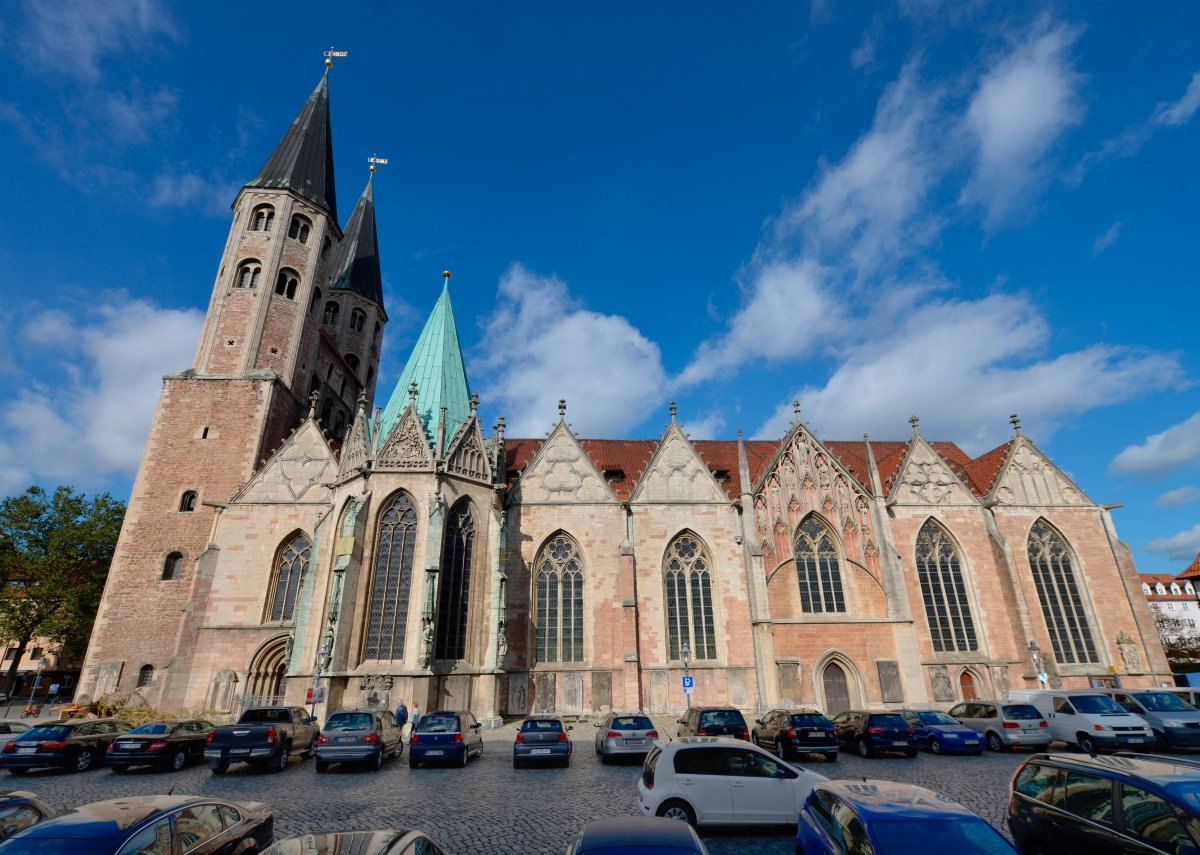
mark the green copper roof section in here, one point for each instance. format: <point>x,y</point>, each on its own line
<point>436,366</point>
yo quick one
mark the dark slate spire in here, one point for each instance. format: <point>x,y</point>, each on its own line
<point>355,264</point>
<point>303,160</point>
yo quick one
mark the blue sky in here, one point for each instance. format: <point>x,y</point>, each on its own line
<point>953,209</point>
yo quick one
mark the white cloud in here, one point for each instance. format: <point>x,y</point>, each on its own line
<point>540,345</point>
<point>1022,106</point>
<point>1162,452</point>
<point>708,426</point>
<point>1175,113</point>
<point>1180,496</point>
<point>863,56</point>
<point>134,116</point>
<point>184,189</point>
<point>1107,239</point>
<point>94,424</point>
<point>1182,546</point>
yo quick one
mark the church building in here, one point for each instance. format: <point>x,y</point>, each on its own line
<point>287,541</point>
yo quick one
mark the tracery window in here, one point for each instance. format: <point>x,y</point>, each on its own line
<point>262,218</point>
<point>1058,591</point>
<point>248,274</point>
<point>559,603</point>
<point>287,283</point>
<point>454,590</point>
<point>388,622</point>
<point>299,228</point>
<point>291,566</point>
<point>817,568</point>
<point>943,589</point>
<point>332,310</point>
<point>689,599</point>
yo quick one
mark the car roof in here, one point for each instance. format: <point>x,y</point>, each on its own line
<point>1163,771</point>
<point>714,707</point>
<point>883,800</point>
<point>635,833</point>
<point>360,842</point>
<point>111,818</point>
<point>366,710</point>
<point>543,717</point>
<point>708,740</point>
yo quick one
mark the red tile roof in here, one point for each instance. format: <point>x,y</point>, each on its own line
<point>628,457</point>
<point>983,470</point>
<point>1193,569</point>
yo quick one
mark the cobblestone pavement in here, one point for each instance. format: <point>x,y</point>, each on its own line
<point>491,807</point>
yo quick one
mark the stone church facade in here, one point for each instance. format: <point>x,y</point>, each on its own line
<point>286,540</point>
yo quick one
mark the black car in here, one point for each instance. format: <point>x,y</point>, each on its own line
<point>20,810</point>
<point>796,732</point>
<point>166,744</point>
<point>156,825</point>
<point>872,733</point>
<point>1122,804</point>
<point>713,721</point>
<point>387,841</point>
<point>71,745</point>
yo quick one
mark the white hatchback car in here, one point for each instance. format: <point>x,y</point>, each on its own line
<point>715,779</point>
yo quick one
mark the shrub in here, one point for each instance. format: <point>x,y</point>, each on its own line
<point>134,709</point>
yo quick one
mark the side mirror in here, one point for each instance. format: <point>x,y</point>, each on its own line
<point>570,727</point>
<point>476,725</point>
<point>596,724</point>
<point>679,721</point>
<point>758,721</point>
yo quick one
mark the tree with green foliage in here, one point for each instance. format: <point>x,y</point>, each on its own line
<point>55,550</point>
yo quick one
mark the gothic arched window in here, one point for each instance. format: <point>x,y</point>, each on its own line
<point>689,599</point>
<point>393,579</point>
<point>145,676</point>
<point>944,592</point>
<point>291,566</point>
<point>352,361</point>
<point>287,283</point>
<point>332,310</point>
<point>299,228</point>
<point>262,218</point>
<point>818,569</point>
<point>1058,592</point>
<point>187,502</point>
<point>172,567</point>
<point>559,603</point>
<point>248,274</point>
<point>454,589</point>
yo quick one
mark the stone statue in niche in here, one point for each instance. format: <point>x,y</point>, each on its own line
<point>940,678</point>
<point>822,471</point>
<point>1130,655</point>
<point>501,645</point>
<point>426,645</point>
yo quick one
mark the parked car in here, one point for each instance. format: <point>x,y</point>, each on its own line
<point>1175,722</point>
<point>942,734</point>
<point>716,779</point>
<point>542,738</point>
<point>263,736</point>
<point>150,825</point>
<point>1133,804</point>
<point>19,810</point>
<point>358,736</point>
<point>870,733</point>
<point>888,818</point>
<point>386,841</point>
<point>645,835</point>
<point>713,721</point>
<point>1005,724</point>
<point>624,734</point>
<point>445,735</point>
<point>166,744</point>
<point>1086,718</point>
<point>71,745</point>
<point>796,732</point>
<point>11,726</point>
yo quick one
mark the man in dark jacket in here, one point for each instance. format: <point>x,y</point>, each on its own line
<point>401,716</point>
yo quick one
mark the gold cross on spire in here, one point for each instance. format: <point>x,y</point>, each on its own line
<point>331,55</point>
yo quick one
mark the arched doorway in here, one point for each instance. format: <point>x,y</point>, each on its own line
<point>966,684</point>
<point>266,678</point>
<point>837,689</point>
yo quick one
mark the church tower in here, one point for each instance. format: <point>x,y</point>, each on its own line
<point>296,310</point>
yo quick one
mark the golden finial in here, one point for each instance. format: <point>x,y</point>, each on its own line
<point>331,54</point>
<point>446,274</point>
<point>375,160</point>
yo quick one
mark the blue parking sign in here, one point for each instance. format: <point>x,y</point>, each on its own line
<point>688,683</point>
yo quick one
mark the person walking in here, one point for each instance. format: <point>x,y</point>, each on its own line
<point>413,718</point>
<point>401,717</point>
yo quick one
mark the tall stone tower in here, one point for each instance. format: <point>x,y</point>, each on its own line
<point>296,311</point>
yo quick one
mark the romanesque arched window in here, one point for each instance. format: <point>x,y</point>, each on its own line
<point>287,283</point>
<point>332,310</point>
<point>352,361</point>
<point>397,543</point>
<point>559,602</point>
<point>187,502</point>
<point>1058,591</point>
<point>248,274</point>
<point>145,676</point>
<point>316,301</point>
<point>172,567</point>
<point>943,590</point>
<point>299,228</point>
<point>262,218</point>
<point>689,599</point>
<point>454,589</point>
<point>358,320</point>
<point>818,569</point>
<point>291,566</point>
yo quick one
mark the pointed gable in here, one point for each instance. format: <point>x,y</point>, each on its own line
<point>468,455</point>
<point>1028,477</point>
<point>676,473</point>
<point>561,471</point>
<point>407,447</point>
<point>926,478</point>
<point>304,461</point>
<point>355,262</point>
<point>356,449</point>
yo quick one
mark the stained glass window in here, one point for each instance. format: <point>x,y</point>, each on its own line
<point>817,568</point>
<point>944,592</point>
<point>559,607</point>
<point>1058,591</point>
<point>290,570</point>
<point>689,600</point>
<point>393,579</point>
<point>454,590</point>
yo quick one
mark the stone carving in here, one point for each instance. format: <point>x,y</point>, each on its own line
<point>1031,479</point>
<point>561,472</point>
<point>889,681</point>
<point>572,692</point>
<point>289,645</point>
<point>108,677</point>
<point>426,645</point>
<point>304,461</point>
<point>939,677</point>
<point>789,683</point>
<point>601,689</point>
<point>518,694</point>
<point>355,451</point>
<point>221,690</point>
<point>659,691</point>
<point>737,683</point>
<point>467,456</point>
<point>928,480</point>
<point>1130,655</point>
<point>1000,680</point>
<point>543,692</point>
<point>376,681</point>
<point>676,473</point>
<point>501,646</point>
<point>407,446</point>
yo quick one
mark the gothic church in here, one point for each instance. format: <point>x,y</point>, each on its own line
<point>287,541</point>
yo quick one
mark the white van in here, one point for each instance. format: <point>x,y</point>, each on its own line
<point>1087,718</point>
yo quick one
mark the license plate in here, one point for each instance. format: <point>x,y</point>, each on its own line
<point>27,750</point>
<point>635,742</point>
<point>970,742</point>
<point>816,733</point>
<point>346,739</point>
<point>239,750</point>
<point>1137,739</point>
<point>127,745</point>
<point>438,753</point>
<point>899,742</point>
<point>540,751</point>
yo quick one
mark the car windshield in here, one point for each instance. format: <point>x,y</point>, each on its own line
<point>632,722</point>
<point>45,731</point>
<point>889,720</point>
<point>940,836</point>
<point>350,721</point>
<point>1095,704</point>
<point>728,718</point>
<point>810,720</point>
<point>541,725</point>
<point>1022,712</point>
<point>265,716</point>
<point>1163,702</point>
<point>154,728</point>
<point>438,723</point>
<point>935,718</point>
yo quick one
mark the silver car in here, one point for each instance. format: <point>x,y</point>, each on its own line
<point>1005,724</point>
<point>358,736</point>
<point>624,734</point>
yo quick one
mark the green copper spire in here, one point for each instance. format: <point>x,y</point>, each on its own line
<point>436,366</point>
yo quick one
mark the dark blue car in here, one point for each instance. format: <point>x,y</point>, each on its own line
<point>445,736</point>
<point>887,818</point>
<point>942,734</point>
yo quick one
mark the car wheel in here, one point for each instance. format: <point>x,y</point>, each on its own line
<point>831,756</point>
<point>119,769</point>
<point>754,740</point>
<point>1087,744</point>
<point>178,761</point>
<point>466,757</point>
<point>308,752</point>
<point>566,762</point>
<point>412,762</point>
<point>1160,741</point>
<point>935,746</point>
<point>676,809</point>
<point>604,758</point>
<point>322,766</point>
<point>219,768</point>
<point>18,772</point>
<point>83,761</point>
<point>994,743</point>
<point>864,750</point>
<point>278,764</point>
<point>376,763</point>
<point>780,751</point>
<point>516,763</point>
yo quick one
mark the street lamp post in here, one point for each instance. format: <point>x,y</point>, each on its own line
<point>37,681</point>
<point>685,649</point>
<point>1039,667</point>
